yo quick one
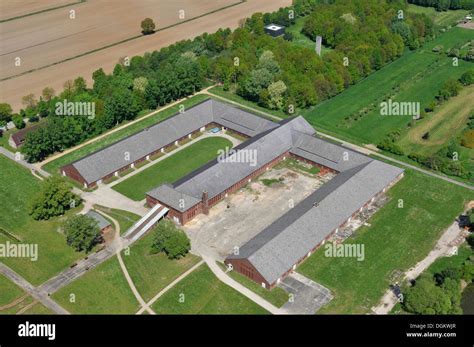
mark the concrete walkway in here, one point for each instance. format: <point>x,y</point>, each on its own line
<point>444,247</point>
<point>117,239</point>
<point>222,276</point>
<point>106,196</point>
<point>23,162</point>
<point>169,286</point>
<point>36,293</point>
<point>307,296</point>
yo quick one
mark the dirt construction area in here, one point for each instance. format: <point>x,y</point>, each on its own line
<point>52,47</point>
<point>244,214</point>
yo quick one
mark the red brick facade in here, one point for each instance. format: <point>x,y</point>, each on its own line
<point>244,267</point>
<point>189,214</point>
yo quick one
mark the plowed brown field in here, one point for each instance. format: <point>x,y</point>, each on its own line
<point>44,41</point>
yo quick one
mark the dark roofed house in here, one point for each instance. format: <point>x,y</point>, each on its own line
<point>18,138</point>
<point>274,30</point>
<point>104,224</point>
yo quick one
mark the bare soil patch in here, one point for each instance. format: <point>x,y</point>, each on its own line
<point>244,214</point>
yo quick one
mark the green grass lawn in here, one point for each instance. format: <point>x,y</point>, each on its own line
<point>53,166</point>
<point>103,290</point>
<point>396,240</point>
<point>441,18</point>
<point>19,306</point>
<point>276,296</point>
<point>170,169</point>
<point>125,218</point>
<point>417,76</point>
<point>203,293</point>
<point>5,137</point>
<point>17,186</point>
<point>153,272</point>
<point>9,291</point>
<point>38,309</point>
<point>440,264</point>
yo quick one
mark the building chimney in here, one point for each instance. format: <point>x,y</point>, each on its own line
<point>205,202</point>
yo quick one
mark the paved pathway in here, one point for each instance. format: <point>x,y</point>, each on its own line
<point>23,162</point>
<point>36,293</point>
<point>169,286</point>
<point>106,196</point>
<point>308,296</point>
<point>117,239</point>
<point>221,275</point>
<point>444,247</point>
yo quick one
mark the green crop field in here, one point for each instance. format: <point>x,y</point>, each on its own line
<point>103,290</point>
<point>448,121</point>
<point>170,169</point>
<point>153,272</point>
<point>53,166</point>
<point>396,239</point>
<point>417,76</point>
<point>17,186</point>
<point>202,293</point>
<point>441,18</point>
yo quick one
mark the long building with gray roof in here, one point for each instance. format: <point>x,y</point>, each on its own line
<point>122,154</point>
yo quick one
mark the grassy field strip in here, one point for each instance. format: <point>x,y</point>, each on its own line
<point>448,120</point>
<point>419,75</point>
<point>172,168</point>
<point>102,290</point>
<point>171,285</point>
<point>17,186</point>
<point>441,18</point>
<point>10,293</point>
<point>202,293</point>
<point>151,273</point>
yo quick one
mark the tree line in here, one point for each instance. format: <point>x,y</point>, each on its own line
<point>444,5</point>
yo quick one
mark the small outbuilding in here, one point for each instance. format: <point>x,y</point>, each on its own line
<point>104,224</point>
<point>17,139</point>
<point>274,30</point>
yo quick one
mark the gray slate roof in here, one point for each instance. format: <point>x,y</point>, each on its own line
<point>102,222</point>
<point>221,174</point>
<point>278,247</point>
<point>121,154</point>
